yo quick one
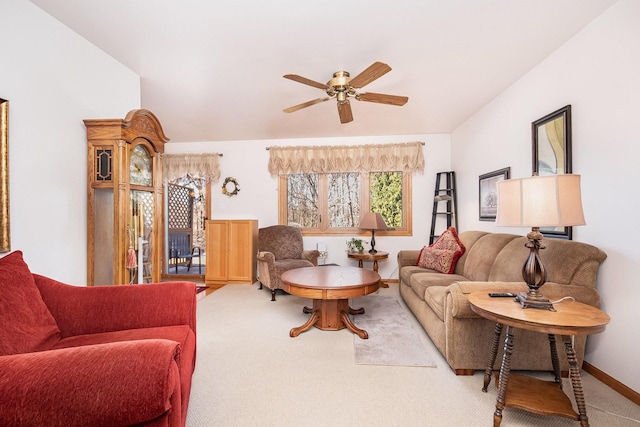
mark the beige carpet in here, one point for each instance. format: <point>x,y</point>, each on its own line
<point>249,373</point>
<point>392,339</point>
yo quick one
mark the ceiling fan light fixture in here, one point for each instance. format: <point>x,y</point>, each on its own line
<point>342,86</point>
<point>340,79</point>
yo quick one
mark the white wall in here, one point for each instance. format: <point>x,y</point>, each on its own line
<point>53,80</point>
<point>258,197</point>
<point>597,73</point>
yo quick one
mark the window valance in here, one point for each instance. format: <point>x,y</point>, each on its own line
<point>203,166</point>
<point>405,157</point>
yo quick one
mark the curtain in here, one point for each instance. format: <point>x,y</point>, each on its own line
<point>202,166</point>
<point>405,157</point>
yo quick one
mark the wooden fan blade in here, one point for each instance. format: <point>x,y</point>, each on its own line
<point>306,81</point>
<point>305,105</point>
<point>374,71</point>
<point>344,110</point>
<point>382,98</point>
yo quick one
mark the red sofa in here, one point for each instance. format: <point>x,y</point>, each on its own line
<point>98,356</point>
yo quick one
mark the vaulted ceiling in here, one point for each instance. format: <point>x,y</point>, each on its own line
<point>213,70</point>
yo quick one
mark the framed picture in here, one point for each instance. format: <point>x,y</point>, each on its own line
<point>551,153</point>
<point>488,193</point>
<point>5,241</point>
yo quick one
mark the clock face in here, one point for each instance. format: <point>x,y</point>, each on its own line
<point>140,166</point>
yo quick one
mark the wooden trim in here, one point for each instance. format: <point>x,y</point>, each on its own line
<point>5,233</point>
<point>323,230</point>
<point>614,384</point>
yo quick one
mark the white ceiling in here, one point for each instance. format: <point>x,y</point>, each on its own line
<point>212,70</point>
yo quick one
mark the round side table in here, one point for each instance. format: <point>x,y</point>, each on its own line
<point>368,257</point>
<point>531,394</point>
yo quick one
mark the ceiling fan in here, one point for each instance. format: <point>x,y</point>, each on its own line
<point>342,87</point>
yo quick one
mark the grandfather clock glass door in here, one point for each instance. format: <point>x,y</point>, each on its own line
<point>141,214</point>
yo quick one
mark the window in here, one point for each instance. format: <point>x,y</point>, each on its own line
<point>332,203</point>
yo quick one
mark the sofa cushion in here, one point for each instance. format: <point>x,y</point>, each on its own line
<point>409,270</point>
<point>435,297</point>
<point>27,324</point>
<point>419,282</point>
<point>443,254</point>
<point>481,256</point>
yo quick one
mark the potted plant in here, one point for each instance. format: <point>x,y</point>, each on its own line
<point>355,245</point>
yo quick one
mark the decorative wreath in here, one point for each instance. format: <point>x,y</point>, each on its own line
<point>236,187</point>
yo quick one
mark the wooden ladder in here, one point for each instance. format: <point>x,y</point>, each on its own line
<point>444,203</point>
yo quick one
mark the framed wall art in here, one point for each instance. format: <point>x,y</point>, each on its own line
<point>5,240</point>
<point>488,193</point>
<point>551,154</point>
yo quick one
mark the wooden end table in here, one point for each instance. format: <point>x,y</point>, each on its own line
<point>531,394</point>
<point>330,287</point>
<point>366,256</point>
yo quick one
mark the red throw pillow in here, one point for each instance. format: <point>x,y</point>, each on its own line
<point>27,324</point>
<point>443,254</point>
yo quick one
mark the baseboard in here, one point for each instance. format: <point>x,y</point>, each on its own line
<point>616,385</point>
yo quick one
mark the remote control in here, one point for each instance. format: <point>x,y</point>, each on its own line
<point>502,295</point>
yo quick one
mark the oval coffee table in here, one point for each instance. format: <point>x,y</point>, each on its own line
<point>330,287</point>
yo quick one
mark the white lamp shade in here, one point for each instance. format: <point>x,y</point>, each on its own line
<point>540,201</point>
<point>372,221</point>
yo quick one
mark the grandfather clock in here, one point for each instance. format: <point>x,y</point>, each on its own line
<point>124,209</point>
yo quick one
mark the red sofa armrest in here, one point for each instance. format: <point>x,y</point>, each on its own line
<point>82,310</point>
<point>121,383</point>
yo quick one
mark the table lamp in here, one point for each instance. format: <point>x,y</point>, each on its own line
<point>538,201</point>
<point>372,221</point>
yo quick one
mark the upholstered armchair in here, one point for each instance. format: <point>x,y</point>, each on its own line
<point>93,356</point>
<point>280,249</point>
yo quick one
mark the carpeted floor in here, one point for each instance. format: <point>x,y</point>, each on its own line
<point>392,339</point>
<point>249,373</point>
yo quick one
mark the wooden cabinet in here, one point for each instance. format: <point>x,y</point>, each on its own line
<point>124,192</point>
<point>231,251</point>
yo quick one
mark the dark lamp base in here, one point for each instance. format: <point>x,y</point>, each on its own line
<point>373,251</point>
<point>528,300</point>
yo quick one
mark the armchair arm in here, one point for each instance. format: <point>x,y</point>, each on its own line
<point>120,383</point>
<point>311,256</point>
<point>266,268</point>
<point>93,309</point>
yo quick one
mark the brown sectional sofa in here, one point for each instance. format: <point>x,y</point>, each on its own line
<point>493,262</point>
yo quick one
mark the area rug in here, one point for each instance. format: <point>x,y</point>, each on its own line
<point>392,339</point>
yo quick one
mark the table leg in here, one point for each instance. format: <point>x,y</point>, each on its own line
<point>356,310</point>
<point>360,263</point>
<point>555,362</point>
<point>308,324</point>
<point>353,328</point>
<point>503,381</point>
<point>383,284</point>
<point>492,356</point>
<point>576,380</point>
